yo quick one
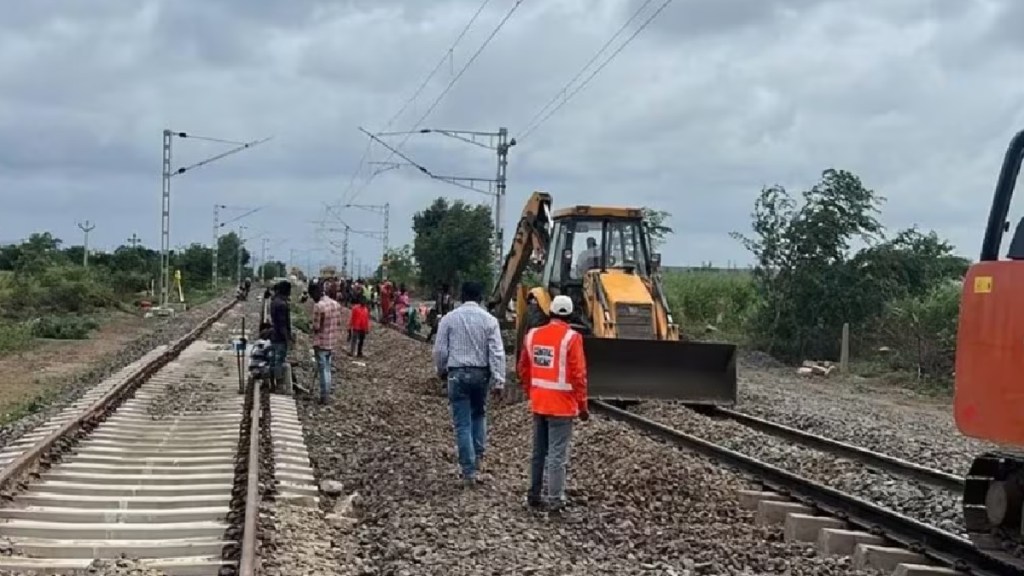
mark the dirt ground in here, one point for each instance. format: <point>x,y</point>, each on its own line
<point>39,370</point>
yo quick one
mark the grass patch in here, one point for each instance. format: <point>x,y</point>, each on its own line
<point>719,299</point>
<point>30,406</point>
<point>300,319</point>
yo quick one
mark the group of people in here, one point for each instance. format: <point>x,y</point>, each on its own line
<point>325,326</point>
<point>469,356</point>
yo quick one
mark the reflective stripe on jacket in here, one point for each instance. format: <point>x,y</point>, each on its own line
<point>553,370</point>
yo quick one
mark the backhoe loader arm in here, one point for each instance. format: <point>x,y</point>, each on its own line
<point>532,233</point>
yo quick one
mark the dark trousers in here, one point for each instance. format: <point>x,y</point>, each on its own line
<point>356,342</point>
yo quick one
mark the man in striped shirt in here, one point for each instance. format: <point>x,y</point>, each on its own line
<point>469,354</point>
<point>326,324</point>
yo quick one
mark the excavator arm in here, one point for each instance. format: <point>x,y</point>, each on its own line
<point>532,233</point>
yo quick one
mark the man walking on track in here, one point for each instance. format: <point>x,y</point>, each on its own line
<point>326,324</point>
<point>469,354</point>
<point>553,372</point>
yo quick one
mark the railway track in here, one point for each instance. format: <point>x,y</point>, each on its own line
<point>931,544</point>
<point>924,545</point>
<point>159,463</point>
<point>897,466</point>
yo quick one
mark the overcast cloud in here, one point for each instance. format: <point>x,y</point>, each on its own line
<point>716,99</point>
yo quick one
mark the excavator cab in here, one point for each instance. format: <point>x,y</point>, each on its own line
<point>600,257</point>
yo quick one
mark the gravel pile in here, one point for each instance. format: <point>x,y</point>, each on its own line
<point>640,507</point>
<point>199,390</point>
<point>163,331</point>
<point>925,503</point>
<point>885,419</point>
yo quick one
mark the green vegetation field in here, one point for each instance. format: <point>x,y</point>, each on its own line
<point>47,292</point>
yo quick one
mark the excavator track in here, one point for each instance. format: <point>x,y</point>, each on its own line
<point>993,501</point>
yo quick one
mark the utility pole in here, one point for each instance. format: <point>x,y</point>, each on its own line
<point>165,196</point>
<point>497,141</point>
<point>241,249</point>
<point>216,240</point>
<point>85,246</point>
<point>385,210</point>
<point>217,225</point>
<point>263,258</point>
<point>134,241</point>
<point>344,253</point>
<point>499,204</point>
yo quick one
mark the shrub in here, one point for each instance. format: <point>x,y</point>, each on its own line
<point>63,327</point>
<point>14,336</point>
<point>920,331</point>
<point>722,299</point>
<point>57,290</point>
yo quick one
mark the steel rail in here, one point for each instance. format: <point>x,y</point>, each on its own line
<point>95,413</point>
<point>939,545</point>
<point>248,559</point>
<point>923,474</point>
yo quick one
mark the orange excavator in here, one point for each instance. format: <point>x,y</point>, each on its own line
<point>600,256</point>
<point>989,397</point>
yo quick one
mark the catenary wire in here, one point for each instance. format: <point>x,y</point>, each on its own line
<point>448,88</point>
<point>599,68</point>
<point>447,54</point>
<point>562,92</point>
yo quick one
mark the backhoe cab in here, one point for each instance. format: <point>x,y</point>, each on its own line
<point>601,258</point>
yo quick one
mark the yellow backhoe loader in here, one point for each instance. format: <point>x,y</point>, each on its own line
<point>600,257</point>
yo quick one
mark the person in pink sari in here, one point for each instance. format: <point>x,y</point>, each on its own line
<point>403,304</point>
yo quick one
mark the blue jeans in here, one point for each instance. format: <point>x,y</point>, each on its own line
<point>278,356</point>
<point>551,438</point>
<point>467,395</point>
<point>323,365</point>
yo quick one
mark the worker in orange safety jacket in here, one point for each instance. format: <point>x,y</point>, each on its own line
<point>553,372</point>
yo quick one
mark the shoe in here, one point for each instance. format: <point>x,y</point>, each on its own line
<point>556,507</point>
<point>534,501</point>
<point>469,483</point>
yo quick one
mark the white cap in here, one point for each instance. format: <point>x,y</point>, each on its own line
<point>561,305</point>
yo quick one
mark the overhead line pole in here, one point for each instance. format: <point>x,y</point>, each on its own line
<point>385,210</point>
<point>497,141</point>
<point>217,225</point>
<point>165,195</point>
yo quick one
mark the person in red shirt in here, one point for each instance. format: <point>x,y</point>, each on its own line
<point>553,372</point>
<point>359,326</point>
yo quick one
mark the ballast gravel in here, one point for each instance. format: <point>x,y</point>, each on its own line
<point>639,506</point>
<point>884,418</point>
<point>931,505</point>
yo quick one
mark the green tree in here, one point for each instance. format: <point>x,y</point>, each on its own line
<point>273,269</point>
<point>196,265</point>
<point>402,267</point>
<point>453,243</point>
<point>227,255</point>
<point>801,254</point>
<point>40,251</point>
<point>657,229</point>
<point>811,281</point>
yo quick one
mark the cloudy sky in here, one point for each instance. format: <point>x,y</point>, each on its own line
<point>713,100</point>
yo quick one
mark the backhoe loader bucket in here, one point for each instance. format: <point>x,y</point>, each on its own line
<point>691,372</point>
